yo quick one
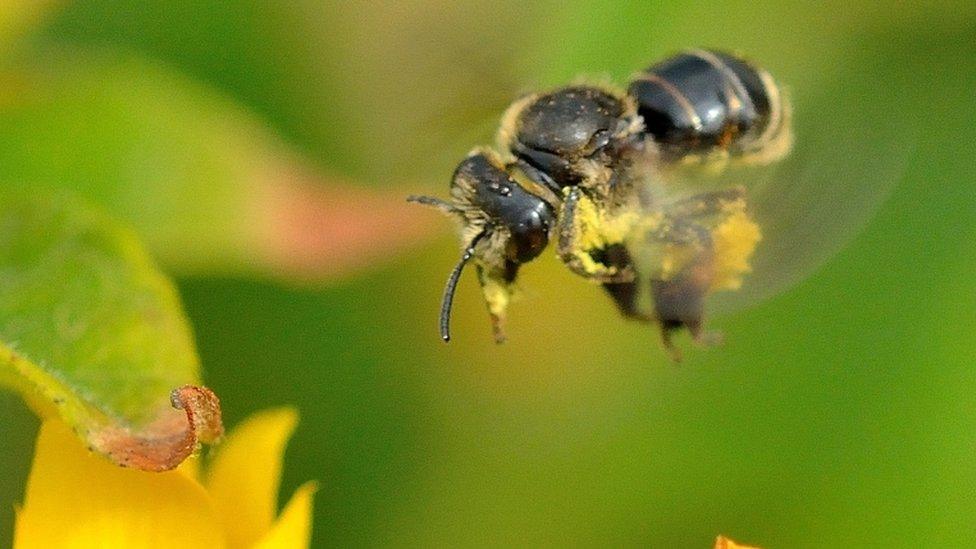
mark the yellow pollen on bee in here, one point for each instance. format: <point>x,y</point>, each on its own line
<point>497,297</point>
<point>597,229</point>
<point>735,241</point>
<point>618,228</point>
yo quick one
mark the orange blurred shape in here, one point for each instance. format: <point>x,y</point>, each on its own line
<point>723,542</point>
<point>319,231</point>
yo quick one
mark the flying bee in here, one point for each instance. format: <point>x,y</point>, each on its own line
<point>600,171</point>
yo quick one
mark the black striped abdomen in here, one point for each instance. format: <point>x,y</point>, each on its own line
<point>703,100</point>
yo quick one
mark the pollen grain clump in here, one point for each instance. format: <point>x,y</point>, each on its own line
<point>735,241</point>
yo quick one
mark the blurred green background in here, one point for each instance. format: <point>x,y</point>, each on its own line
<point>839,413</point>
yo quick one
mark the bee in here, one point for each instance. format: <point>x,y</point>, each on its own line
<point>595,170</point>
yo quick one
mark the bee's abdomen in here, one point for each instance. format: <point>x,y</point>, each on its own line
<point>702,100</point>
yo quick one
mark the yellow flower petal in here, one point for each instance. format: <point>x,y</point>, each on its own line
<point>191,468</point>
<point>244,476</point>
<point>78,499</point>
<point>294,527</point>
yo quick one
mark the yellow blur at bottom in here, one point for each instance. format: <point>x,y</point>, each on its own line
<point>723,542</point>
<point>77,499</point>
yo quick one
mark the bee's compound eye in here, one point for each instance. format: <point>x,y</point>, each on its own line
<point>530,235</point>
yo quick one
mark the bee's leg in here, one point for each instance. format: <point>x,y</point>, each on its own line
<point>679,300</point>
<point>577,243</point>
<point>624,294</point>
<point>679,303</point>
<point>497,285</point>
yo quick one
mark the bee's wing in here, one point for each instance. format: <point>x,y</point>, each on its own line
<point>813,204</point>
<point>851,146</point>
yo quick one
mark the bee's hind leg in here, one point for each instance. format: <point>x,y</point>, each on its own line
<point>624,294</point>
<point>679,301</point>
<point>577,243</point>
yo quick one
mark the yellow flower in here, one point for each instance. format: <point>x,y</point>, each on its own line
<point>77,499</point>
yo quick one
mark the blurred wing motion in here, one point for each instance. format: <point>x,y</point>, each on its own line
<point>733,237</point>
<point>809,208</point>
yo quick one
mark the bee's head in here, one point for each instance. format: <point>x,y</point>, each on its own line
<point>504,225</point>
<point>568,133</point>
<point>515,221</point>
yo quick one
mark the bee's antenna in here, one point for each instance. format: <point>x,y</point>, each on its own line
<point>452,282</point>
<point>442,205</point>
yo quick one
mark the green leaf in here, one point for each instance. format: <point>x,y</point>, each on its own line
<point>204,183</point>
<point>92,332</point>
